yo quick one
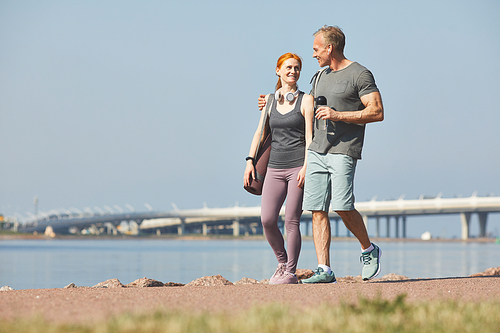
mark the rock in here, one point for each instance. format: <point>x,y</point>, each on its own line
<point>358,279</point>
<point>246,280</point>
<point>173,284</point>
<point>145,282</point>
<point>71,285</point>
<point>210,281</point>
<point>111,283</point>
<point>350,279</point>
<point>493,271</point>
<point>265,281</point>
<point>393,277</point>
<point>304,273</point>
<point>6,288</point>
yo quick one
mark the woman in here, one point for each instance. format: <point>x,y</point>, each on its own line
<point>291,125</point>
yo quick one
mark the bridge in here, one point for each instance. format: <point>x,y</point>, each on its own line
<point>246,220</point>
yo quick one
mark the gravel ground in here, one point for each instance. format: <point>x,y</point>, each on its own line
<point>86,304</point>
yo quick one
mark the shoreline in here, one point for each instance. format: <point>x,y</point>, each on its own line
<point>228,237</point>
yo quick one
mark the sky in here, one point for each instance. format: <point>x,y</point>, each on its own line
<point>154,103</point>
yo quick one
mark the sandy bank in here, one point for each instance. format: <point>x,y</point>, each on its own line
<point>94,304</point>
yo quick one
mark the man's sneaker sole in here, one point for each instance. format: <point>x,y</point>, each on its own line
<point>302,281</point>
<point>334,280</point>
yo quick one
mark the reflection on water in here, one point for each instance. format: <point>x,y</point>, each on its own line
<point>28,264</point>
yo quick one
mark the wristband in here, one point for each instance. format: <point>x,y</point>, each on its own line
<point>250,158</point>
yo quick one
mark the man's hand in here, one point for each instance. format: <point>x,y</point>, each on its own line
<point>373,111</point>
<point>262,102</point>
<point>324,112</point>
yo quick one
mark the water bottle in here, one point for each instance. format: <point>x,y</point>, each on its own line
<point>321,123</point>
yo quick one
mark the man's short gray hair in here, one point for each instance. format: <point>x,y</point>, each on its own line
<point>332,35</point>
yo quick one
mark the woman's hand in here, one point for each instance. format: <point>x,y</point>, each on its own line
<point>249,173</point>
<point>301,177</point>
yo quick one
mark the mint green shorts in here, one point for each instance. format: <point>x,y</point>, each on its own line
<point>329,177</point>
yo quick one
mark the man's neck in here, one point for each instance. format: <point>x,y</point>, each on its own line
<point>338,63</point>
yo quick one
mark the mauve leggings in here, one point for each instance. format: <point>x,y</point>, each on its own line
<point>278,185</point>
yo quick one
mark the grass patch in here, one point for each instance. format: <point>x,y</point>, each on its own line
<point>367,315</point>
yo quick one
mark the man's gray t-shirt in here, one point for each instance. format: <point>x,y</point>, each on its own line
<point>343,90</point>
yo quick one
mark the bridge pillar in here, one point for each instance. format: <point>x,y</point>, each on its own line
<point>365,221</point>
<point>397,226</point>
<point>388,233</point>
<point>465,219</point>
<point>336,227</point>
<point>181,229</point>
<point>404,226</point>
<point>307,228</point>
<point>377,224</point>
<point>281,225</point>
<point>482,224</point>
<point>236,228</point>
<point>204,229</point>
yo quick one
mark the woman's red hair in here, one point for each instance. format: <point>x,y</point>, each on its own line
<point>284,58</point>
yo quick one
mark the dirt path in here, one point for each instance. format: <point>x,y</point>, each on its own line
<point>94,304</point>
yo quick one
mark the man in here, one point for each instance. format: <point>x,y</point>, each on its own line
<point>352,100</point>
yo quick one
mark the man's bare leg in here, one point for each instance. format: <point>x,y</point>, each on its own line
<point>371,259</point>
<point>322,236</point>
<point>354,222</point>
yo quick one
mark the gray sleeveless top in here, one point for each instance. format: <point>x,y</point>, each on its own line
<point>288,137</point>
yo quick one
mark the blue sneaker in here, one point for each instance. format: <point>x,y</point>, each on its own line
<point>371,263</point>
<point>320,276</point>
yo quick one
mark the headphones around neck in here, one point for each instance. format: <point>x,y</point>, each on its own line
<point>289,96</point>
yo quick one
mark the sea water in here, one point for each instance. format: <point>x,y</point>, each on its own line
<point>55,263</point>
